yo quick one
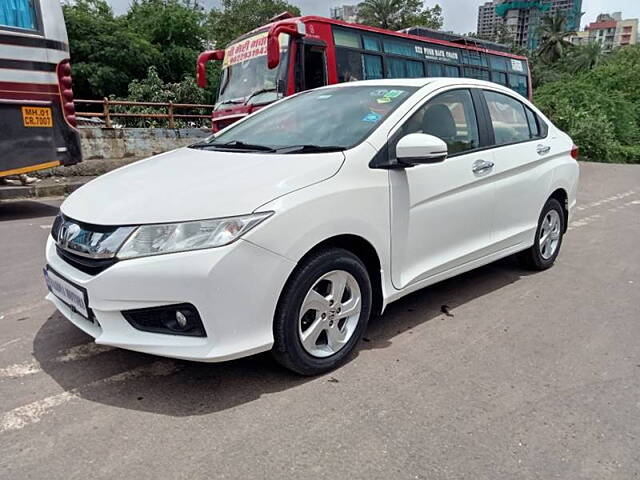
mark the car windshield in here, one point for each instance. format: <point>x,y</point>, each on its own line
<point>335,117</point>
<point>245,76</point>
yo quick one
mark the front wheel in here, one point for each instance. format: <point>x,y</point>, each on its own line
<point>548,239</point>
<point>322,313</point>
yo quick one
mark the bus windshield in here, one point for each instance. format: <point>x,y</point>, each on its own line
<point>246,80</point>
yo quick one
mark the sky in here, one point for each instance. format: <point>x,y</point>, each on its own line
<point>459,15</point>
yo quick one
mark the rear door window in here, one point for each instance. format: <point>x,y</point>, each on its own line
<point>508,117</point>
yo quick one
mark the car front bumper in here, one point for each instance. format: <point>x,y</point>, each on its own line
<point>235,289</point>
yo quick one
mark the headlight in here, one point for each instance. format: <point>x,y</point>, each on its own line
<point>182,237</point>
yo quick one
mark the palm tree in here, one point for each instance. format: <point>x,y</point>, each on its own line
<point>553,38</point>
<point>586,57</point>
<point>380,13</point>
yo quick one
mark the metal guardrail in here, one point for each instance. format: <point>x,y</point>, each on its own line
<point>107,113</point>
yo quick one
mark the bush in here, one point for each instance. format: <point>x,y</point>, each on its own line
<point>153,89</point>
<point>600,108</point>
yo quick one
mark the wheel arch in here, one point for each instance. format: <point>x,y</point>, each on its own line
<point>560,194</point>
<point>366,252</point>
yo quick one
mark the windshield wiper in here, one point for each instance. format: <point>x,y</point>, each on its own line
<point>259,92</point>
<point>232,145</point>
<point>310,149</point>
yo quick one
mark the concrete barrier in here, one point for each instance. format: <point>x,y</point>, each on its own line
<point>104,149</point>
<point>121,143</point>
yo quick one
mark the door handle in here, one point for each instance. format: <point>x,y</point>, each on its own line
<point>543,149</point>
<point>480,166</point>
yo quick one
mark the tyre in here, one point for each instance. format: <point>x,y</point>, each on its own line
<point>322,313</point>
<point>548,239</point>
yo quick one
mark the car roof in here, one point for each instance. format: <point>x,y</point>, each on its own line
<point>419,82</point>
<point>433,82</point>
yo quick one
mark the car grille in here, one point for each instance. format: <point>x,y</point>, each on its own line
<point>91,266</point>
<point>86,264</point>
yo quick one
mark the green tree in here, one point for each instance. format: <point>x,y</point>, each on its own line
<point>237,17</point>
<point>585,57</point>
<point>106,55</point>
<point>399,14</point>
<point>174,27</point>
<point>553,38</point>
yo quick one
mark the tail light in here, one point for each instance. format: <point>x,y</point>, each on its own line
<point>575,152</point>
<point>66,92</point>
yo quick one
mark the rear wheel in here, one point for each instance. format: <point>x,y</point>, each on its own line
<point>549,234</point>
<point>323,312</point>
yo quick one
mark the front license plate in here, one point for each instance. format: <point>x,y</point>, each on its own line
<point>40,117</point>
<point>73,296</point>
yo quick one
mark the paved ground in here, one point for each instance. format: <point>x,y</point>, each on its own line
<point>533,376</point>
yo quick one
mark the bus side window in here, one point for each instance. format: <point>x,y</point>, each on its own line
<point>434,70</point>
<point>19,14</point>
<point>519,84</point>
<point>451,71</point>
<point>499,77</point>
<point>349,65</point>
<point>372,67</point>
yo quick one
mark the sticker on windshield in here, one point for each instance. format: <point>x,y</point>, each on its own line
<point>383,100</point>
<point>372,117</point>
<point>393,93</point>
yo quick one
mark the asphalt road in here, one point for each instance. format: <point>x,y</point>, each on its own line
<point>530,376</point>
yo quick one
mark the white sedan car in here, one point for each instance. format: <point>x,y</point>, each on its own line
<point>289,229</point>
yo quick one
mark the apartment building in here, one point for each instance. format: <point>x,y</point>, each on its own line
<point>611,31</point>
<point>487,20</point>
<point>522,18</point>
<point>348,13</point>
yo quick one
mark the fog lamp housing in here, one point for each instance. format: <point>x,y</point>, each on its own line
<point>180,319</point>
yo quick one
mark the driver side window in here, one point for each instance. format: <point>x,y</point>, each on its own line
<point>451,117</point>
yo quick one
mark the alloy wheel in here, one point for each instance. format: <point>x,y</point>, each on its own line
<point>330,313</point>
<point>549,234</point>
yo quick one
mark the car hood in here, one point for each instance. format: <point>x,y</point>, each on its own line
<point>191,184</point>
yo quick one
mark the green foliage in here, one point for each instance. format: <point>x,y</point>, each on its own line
<point>598,108</point>
<point>176,28</point>
<point>237,17</point>
<point>585,57</point>
<point>106,54</point>
<point>110,52</point>
<point>154,89</point>
<point>399,14</point>
<point>553,38</point>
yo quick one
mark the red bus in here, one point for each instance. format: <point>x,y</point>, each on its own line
<point>37,115</point>
<point>291,54</point>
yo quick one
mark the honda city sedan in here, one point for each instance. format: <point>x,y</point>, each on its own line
<point>288,230</point>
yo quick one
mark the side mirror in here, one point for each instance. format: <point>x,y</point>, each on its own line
<point>290,27</point>
<point>201,65</point>
<point>418,148</point>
